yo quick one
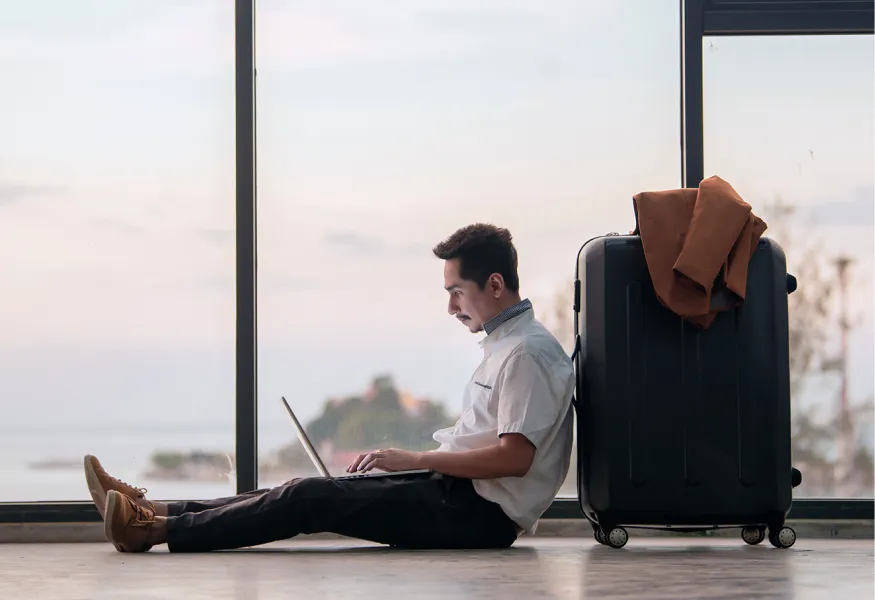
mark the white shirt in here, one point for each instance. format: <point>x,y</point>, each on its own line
<point>524,385</point>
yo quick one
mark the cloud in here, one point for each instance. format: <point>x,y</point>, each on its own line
<point>857,211</point>
<point>266,283</point>
<point>11,193</point>
<point>501,17</point>
<point>285,283</point>
<point>219,237</point>
<point>356,242</point>
<point>117,225</point>
<point>196,38</point>
<point>365,245</point>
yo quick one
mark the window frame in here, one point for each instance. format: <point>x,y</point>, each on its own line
<point>699,18</point>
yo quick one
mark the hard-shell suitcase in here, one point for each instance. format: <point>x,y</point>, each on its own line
<point>681,428</point>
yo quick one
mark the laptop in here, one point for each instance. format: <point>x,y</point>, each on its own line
<point>320,466</point>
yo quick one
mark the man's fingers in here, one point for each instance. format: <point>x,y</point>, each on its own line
<point>365,459</point>
<point>352,465</point>
<point>368,463</point>
<point>355,464</point>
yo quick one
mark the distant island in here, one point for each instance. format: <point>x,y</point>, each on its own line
<point>55,464</point>
<point>382,416</point>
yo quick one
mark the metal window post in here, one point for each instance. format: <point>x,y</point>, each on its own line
<point>692,94</point>
<point>246,430</point>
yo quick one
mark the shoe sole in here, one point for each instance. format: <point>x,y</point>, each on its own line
<point>94,487</point>
<point>111,503</point>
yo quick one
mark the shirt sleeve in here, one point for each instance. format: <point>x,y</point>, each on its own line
<point>528,402</point>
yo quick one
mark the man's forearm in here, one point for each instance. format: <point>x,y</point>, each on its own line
<point>484,463</point>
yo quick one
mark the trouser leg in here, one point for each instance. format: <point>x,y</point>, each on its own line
<point>416,512</point>
<point>174,509</point>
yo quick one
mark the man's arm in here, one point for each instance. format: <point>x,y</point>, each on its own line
<point>511,457</point>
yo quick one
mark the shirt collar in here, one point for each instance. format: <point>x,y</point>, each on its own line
<point>506,315</point>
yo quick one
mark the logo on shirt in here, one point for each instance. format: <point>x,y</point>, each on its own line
<point>483,385</point>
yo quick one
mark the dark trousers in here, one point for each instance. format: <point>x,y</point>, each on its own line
<point>430,511</point>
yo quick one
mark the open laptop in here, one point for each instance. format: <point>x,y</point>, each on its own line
<point>320,466</point>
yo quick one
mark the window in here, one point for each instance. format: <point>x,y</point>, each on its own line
<point>382,127</point>
<point>789,122</point>
<point>116,246</point>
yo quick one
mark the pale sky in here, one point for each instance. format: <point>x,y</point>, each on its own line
<point>382,126</point>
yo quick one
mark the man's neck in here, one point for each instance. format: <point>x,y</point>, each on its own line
<point>506,303</point>
<point>511,308</point>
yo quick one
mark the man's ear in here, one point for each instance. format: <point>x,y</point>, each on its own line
<point>496,284</point>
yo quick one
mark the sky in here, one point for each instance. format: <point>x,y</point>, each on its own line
<point>382,127</point>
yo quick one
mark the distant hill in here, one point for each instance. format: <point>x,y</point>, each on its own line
<point>382,416</point>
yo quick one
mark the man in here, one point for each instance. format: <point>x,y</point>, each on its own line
<point>494,474</point>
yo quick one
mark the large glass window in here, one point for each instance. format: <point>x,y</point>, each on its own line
<point>116,246</point>
<point>384,126</point>
<point>789,122</point>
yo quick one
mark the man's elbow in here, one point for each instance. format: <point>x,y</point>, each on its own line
<point>519,454</point>
<point>522,462</point>
<point>521,469</point>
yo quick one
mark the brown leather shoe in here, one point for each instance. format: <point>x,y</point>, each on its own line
<point>100,482</point>
<point>127,524</point>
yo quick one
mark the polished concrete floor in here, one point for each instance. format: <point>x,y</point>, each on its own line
<point>540,568</point>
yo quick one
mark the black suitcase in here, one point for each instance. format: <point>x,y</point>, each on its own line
<point>681,428</point>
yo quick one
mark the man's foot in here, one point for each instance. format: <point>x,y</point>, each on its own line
<point>129,526</point>
<point>100,483</point>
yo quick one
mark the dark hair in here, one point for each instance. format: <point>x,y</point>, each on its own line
<point>482,249</point>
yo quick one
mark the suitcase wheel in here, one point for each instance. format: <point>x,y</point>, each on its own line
<point>615,538</point>
<point>782,538</point>
<point>753,535</point>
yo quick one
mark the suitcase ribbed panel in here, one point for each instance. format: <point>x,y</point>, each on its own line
<point>694,392</point>
<point>636,385</point>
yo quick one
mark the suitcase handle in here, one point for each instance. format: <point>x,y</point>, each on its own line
<point>574,354</point>
<point>792,284</point>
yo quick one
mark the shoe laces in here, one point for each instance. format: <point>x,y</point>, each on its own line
<point>140,491</point>
<point>142,516</point>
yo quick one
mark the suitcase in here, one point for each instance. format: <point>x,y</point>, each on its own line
<point>679,428</point>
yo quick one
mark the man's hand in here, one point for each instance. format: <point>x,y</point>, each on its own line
<point>390,460</point>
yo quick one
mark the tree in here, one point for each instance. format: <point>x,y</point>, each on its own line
<point>817,429</point>
<point>559,316</point>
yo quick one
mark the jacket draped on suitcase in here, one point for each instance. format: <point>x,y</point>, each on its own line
<point>697,244</point>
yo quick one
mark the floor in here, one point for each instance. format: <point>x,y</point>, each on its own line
<point>541,568</point>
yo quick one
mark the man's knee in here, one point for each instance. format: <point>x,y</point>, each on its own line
<point>307,488</point>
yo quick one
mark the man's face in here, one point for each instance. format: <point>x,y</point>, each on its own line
<point>468,303</point>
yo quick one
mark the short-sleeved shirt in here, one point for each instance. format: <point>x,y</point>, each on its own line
<point>523,385</point>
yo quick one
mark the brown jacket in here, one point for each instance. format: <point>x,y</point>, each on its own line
<point>697,244</point>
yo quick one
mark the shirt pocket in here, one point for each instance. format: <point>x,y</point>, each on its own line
<point>483,396</point>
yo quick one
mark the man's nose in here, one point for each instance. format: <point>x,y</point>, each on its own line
<point>452,307</point>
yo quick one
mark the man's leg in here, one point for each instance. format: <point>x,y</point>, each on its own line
<point>100,482</point>
<point>174,509</point>
<point>414,512</point>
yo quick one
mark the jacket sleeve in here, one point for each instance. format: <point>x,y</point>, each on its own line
<point>719,217</point>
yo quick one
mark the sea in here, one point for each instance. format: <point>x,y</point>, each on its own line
<point>124,452</point>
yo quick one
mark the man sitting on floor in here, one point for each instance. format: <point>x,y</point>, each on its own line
<point>493,476</point>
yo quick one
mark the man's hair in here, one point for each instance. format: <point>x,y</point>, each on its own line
<point>482,249</point>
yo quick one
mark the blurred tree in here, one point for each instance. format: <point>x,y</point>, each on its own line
<point>814,323</point>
